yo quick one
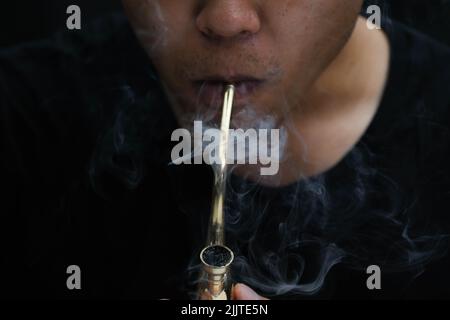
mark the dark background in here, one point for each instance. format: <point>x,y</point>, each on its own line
<point>28,20</point>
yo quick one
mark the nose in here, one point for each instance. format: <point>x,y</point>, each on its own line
<point>226,19</point>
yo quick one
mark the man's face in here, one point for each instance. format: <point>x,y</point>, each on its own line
<point>272,50</point>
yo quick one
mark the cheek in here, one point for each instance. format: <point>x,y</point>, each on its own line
<point>323,20</point>
<point>318,31</point>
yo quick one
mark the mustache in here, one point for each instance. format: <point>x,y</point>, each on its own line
<point>248,64</point>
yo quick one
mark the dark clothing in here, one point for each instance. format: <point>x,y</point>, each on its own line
<point>85,144</point>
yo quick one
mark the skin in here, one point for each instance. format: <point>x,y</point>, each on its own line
<point>324,71</point>
<point>243,292</point>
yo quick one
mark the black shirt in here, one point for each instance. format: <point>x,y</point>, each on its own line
<point>85,144</point>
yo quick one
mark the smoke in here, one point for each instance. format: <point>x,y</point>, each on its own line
<point>133,137</point>
<point>286,239</point>
<point>154,38</point>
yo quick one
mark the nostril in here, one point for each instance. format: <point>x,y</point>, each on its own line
<point>208,33</point>
<point>227,20</point>
<point>245,34</point>
<point>211,35</point>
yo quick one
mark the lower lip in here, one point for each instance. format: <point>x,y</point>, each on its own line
<point>209,93</point>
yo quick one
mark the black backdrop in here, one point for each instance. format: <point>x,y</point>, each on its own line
<point>33,19</point>
<point>28,20</point>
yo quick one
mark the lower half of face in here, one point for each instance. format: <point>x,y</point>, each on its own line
<point>272,51</point>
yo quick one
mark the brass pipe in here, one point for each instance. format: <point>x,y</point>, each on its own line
<point>216,258</point>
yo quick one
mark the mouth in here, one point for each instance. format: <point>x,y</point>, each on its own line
<point>209,91</point>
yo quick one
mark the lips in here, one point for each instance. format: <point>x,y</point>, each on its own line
<point>209,91</point>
